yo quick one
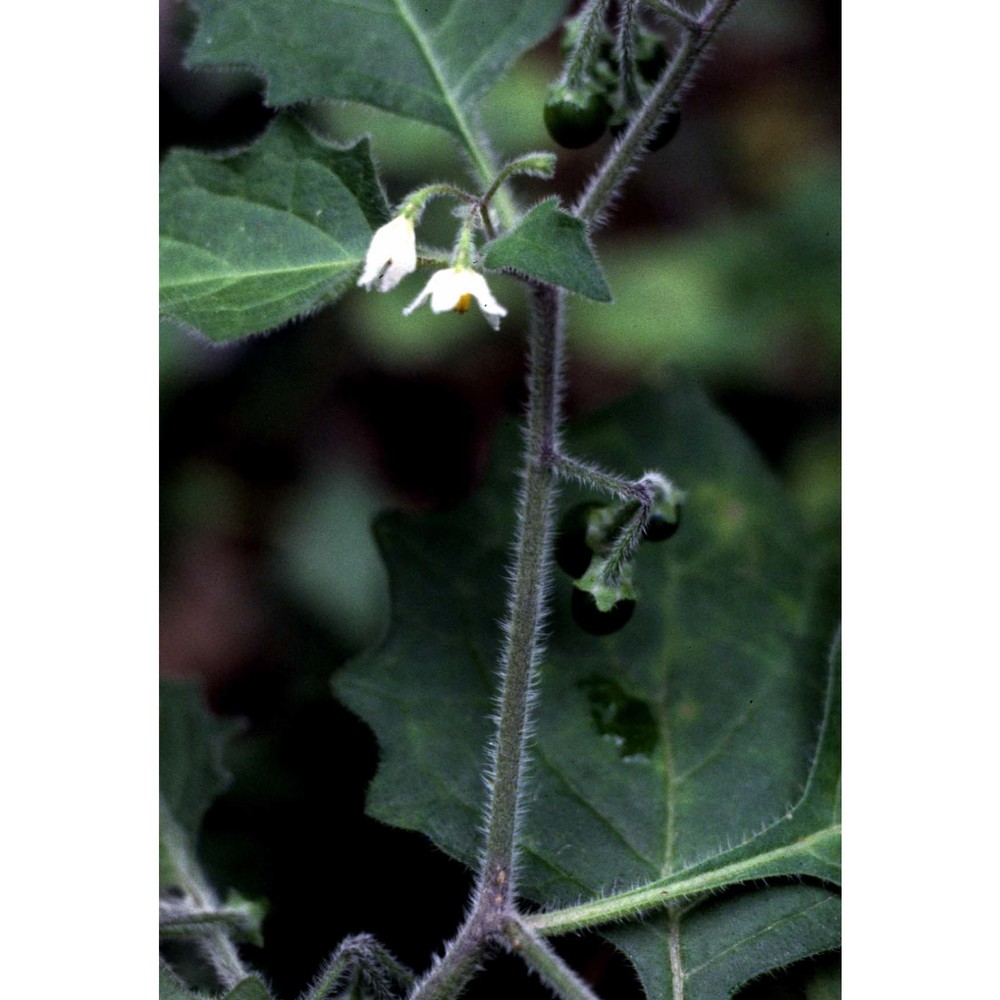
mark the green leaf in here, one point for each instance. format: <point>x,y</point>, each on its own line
<point>253,239</point>
<point>192,741</point>
<point>701,736</point>
<point>192,774</point>
<point>727,940</point>
<point>250,988</point>
<point>171,988</point>
<point>551,245</point>
<point>824,984</point>
<point>431,61</point>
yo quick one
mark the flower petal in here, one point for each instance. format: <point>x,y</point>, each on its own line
<point>488,305</point>
<point>449,285</point>
<point>449,290</point>
<point>427,292</point>
<point>392,254</point>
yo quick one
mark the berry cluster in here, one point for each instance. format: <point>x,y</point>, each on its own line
<point>583,547</point>
<point>593,98</point>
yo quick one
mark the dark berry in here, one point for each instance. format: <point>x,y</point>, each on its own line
<point>575,121</point>
<point>659,529</point>
<point>665,131</point>
<point>651,58</point>
<point>571,550</point>
<point>591,619</point>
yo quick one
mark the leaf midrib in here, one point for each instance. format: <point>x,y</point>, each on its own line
<point>430,57</point>
<point>233,277</point>
<point>483,163</point>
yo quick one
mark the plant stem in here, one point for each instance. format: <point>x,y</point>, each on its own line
<point>626,49</point>
<point>623,156</point>
<point>492,916</point>
<point>590,475</point>
<point>361,953</point>
<point>533,164</point>
<point>457,966</point>
<point>193,923</point>
<point>414,204</point>
<point>582,56</point>
<point>551,969</point>
<point>492,903</point>
<point>526,605</point>
<point>673,11</point>
<point>215,943</point>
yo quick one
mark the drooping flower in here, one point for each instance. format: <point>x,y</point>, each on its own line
<point>392,255</point>
<point>453,289</point>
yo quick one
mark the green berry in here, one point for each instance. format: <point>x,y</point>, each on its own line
<point>576,120</point>
<point>591,619</point>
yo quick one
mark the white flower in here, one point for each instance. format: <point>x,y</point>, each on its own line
<point>392,255</point>
<point>454,288</point>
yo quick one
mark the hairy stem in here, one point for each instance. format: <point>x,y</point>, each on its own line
<point>589,475</point>
<point>674,12</point>
<point>582,56</point>
<point>526,607</point>
<point>549,967</point>
<point>533,164</point>
<point>492,904</point>
<point>358,955</point>
<point>624,155</point>
<point>493,917</point>
<point>626,50</point>
<point>450,974</point>
<point>215,943</point>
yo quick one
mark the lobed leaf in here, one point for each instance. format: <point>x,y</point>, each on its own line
<point>701,736</point>
<point>551,245</point>
<point>253,239</point>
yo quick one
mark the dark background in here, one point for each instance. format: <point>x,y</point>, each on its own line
<point>723,255</point>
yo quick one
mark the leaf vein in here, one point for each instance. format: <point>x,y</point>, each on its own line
<point>583,800</point>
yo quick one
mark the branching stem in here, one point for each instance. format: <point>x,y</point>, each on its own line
<point>674,12</point>
<point>493,902</point>
<point>626,153</point>
<point>493,918</point>
<point>215,943</point>
<point>359,956</point>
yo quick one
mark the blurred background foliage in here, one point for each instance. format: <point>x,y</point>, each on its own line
<point>723,255</point>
